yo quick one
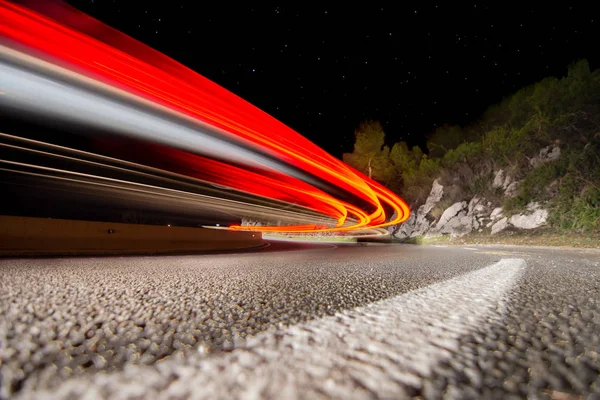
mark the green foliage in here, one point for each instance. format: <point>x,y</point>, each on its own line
<point>406,162</point>
<point>416,185</point>
<point>546,96</point>
<point>537,182</point>
<point>405,159</point>
<point>505,144</point>
<point>496,115</point>
<point>371,156</point>
<point>414,240</point>
<point>519,107</point>
<point>444,138</point>
<point>448,137</point>
<point>370,137</point>
<point>535,185</point>
<point>577,206</point>
<point>578,84</point>
<point>579,212</point>
<point>586,162</point>
<point>480,185</point>
<point>465,152</point>
<point>563,111</point>
<point>513,205</point>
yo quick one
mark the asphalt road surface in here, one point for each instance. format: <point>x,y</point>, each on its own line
<point>307,321</point>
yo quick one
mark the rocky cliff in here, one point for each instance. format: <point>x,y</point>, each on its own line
<point>477,214</point>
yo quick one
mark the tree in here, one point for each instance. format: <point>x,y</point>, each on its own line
<point>405,160</point>
<point>406,163</point>
<point>444,138</point>
<point>371,156</point>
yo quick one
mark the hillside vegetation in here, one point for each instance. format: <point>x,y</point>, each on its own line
<point>555,112</point>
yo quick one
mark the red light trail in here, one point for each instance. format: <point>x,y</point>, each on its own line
<point>74,43</point>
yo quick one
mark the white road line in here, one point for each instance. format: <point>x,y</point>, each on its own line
<point>371,351</point>
<point>470,248</point>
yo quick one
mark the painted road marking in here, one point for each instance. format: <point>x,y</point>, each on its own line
<point>371,351</point>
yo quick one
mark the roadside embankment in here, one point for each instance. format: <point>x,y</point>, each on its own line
<point>539,237</point>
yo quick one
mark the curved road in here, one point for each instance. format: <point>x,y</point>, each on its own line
<point>307,321</point>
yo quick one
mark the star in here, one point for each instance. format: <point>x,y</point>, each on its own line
<point>401,73</point>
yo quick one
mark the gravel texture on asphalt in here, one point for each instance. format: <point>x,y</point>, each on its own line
<point>64,320</point>
<point>383,349</point>
<point>548,344</point>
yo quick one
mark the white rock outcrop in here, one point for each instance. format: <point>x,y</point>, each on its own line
<point>407,227</point>
<point>418,224</point>
<point>512,190</point>
<point>499,225</point>
<point>548,153</point>
<point>498,179</point>
<point>460,219</point>
<point>536,218</point>
<point>477,207</point>
<point>477,214</point>
<point>496,213</point>
<point>450,213</point>
<point>459,225</point>
<point>472,204</point>
<point>501,180</point>
<point>507,182</point>
<point>435,195</point>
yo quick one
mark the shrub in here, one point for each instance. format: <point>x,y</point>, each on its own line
<point>481,185</point>
<point>417,184</point>
<point>504,144</point>
<point>514,205</point>
<point>580,213</point>
<point>562,110</point>
<point>466,152</point>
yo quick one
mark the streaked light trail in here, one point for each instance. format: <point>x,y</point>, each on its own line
<point>59,64</point>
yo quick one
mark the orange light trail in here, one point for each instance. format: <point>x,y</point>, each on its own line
<point>61,35</point>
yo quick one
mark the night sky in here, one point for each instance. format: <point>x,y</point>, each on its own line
<point>323,69</point>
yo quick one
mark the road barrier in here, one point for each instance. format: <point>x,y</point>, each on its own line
<point>24,236</point>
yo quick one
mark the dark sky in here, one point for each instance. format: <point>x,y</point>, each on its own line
<point>322,69</point>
